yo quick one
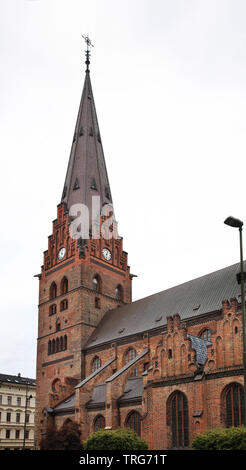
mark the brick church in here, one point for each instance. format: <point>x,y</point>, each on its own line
<point>169,365</point>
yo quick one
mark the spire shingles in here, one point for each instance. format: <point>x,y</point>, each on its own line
<point>86,172</point>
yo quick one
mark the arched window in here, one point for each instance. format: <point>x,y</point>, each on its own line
<point>99,423</point>
<point>58,344</point>
<point>133,422</point>
<point>178,414</point>
<point>96,363</point>
<point>234,405</point>
<point>97,302</point>
<point>206,334</point>
<point>119,292</point>
<point>64,286</point>
<point>53,290</point>
<point>63,305</point>
<point>58,325</point>
<point>97,283</point>
<point>52,309</point>
<point>129,356</point>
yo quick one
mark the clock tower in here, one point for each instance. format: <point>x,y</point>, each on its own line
<point>85,271</point>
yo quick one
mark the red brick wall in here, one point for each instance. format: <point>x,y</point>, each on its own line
<point>79,320</point>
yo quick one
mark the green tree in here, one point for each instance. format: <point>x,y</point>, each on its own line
<point>119,439</point>
<point>221,439</point>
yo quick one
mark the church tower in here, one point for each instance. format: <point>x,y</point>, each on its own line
<point>82,277</point>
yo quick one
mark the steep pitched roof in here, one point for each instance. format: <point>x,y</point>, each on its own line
<point>193,298</point>
<point>86,173</point>
<point>67,405</point>
<point>133,389</point>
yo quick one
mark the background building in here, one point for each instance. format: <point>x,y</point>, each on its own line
<point>17,412</point>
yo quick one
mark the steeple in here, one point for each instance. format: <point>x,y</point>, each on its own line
<point>86,173</point>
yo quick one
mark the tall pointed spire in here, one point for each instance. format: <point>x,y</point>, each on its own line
<point>86,173</point>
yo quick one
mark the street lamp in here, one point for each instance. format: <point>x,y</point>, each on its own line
<point>25,418</point>
<point>236,223</point>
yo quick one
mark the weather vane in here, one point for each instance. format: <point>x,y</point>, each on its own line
<point>87,52</point>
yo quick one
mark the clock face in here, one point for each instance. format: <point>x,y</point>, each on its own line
<point>61,253</point>
<point>106,254</point>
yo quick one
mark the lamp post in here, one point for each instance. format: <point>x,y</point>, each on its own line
<point>236,223</point>
<point>27,399</point>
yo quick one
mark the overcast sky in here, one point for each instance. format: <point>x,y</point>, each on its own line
<point>169,82</point>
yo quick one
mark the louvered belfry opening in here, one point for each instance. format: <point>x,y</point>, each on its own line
<point>179,414</point>
<point>234,406</point>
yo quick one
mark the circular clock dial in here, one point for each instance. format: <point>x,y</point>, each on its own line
<point>61,253</point>
<point>106,254</point>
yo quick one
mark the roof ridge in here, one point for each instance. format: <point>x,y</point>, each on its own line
<point>20,378</point>
<point>183,283</point>
<point>207,291</point>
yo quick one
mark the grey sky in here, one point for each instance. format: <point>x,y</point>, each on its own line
<point>169,81</point>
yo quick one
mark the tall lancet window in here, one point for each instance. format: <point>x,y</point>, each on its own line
<point>97,283</point>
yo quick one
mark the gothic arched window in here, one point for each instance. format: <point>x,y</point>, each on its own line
<point>96,363</point>
<point>52,309</point>
<point>129,356</point>
<point>99,423</point>
<point>57,344</point>
<point>53,347</point>
<point>63,305</point>
<point>119,292</point>
<point>206,334</point>
<point>178,415</point>
<point>64,286</point>
<point>97,284</point>
<point>234,405</point>
<point>53,290</point>
<point>133,422</point>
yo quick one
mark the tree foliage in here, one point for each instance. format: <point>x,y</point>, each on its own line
<point>66,438</point>
<point>119,439</point>
<point>221,439</point>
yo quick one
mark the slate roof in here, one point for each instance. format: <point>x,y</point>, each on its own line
<point>133,389</point>
<point>86,173</point>
<point>98,395</point>
<point>67,405</point>
<point>17,379</point>
<point>193,298</point>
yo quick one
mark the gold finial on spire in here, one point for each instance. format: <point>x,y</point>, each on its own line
<point>87,52</point>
